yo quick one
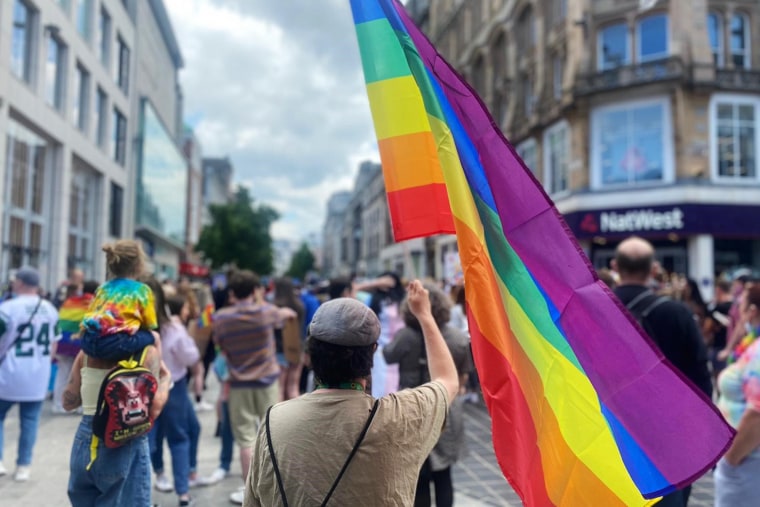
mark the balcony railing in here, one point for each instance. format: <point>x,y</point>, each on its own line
<point>667,69</point>
<point>741,79</point>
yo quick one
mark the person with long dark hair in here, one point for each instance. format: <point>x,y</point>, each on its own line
<point>289,338</point>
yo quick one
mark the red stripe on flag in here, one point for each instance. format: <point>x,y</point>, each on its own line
<point>420,211</point>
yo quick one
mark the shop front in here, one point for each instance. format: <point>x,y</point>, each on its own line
<point>701,240</point>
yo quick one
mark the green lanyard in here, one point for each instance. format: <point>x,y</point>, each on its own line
<point>343,385</point>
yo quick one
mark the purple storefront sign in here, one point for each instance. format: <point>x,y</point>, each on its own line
<point>657,221</point>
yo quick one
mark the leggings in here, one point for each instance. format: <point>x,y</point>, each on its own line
<point>444,489</point>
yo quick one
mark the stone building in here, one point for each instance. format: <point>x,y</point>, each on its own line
<point>635,120</point>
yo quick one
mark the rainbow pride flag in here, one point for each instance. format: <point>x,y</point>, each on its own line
<point>71,314</point>
<point>585,410</point>
<point>204,320</point>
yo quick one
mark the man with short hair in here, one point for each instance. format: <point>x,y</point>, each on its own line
<point>244,332</point>
<point>27,336</point>
<point>670,324</point>
<point>340,444</point>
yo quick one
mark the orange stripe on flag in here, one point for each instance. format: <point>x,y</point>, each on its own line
<point>410,161</point>
<point>420,211</point>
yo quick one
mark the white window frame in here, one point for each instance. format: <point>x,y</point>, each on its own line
<point>600,46</point>
<point>734,99</point>
<point>747,39</point>
<point>548,172</point>
<point>27,73</point>
<point>720,51</point>
<point>529,145</point>
<point>668,148</point>
<point>58,87</point>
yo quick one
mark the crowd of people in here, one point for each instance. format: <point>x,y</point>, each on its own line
<point>320,375</point>
<point>262,342</point>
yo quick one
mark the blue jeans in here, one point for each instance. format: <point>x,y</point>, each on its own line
<point>179,424</point>
<point>118,476</point>
<point>225,457</point>
<point>29,413</point>
<point>115,347</point>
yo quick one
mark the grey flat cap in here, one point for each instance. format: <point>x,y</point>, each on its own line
<point>345,321</point>
<point>28,276</point>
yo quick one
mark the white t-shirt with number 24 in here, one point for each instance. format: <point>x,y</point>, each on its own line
<point>25,372</point>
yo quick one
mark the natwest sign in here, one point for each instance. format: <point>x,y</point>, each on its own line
<point>657,221</point>
<point>641,220</point>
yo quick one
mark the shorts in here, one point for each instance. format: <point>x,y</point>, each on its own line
<point>248,405</point>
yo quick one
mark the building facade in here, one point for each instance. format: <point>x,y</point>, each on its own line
<point>217,184</point>
<point>66,84</point>
<point>634,121</point>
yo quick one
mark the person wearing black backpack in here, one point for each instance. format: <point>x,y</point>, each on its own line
<point>670,325</point>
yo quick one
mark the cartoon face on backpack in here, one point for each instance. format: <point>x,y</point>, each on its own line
<point>132,397</point>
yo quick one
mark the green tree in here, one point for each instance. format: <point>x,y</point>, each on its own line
<point>239,234</point>
<point>301,263</point>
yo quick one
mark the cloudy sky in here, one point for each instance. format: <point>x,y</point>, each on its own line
<point>277,86</point>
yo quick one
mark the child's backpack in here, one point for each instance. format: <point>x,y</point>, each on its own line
<point>124,402</point>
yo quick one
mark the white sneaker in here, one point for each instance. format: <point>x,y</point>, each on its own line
<point>22,474</point>
<point>204,406</point>
<point>163,483</point>
<point>237,496</point>
<point>3,471</point>
<point>217,476</point>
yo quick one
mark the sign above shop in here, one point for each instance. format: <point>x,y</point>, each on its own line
<point>653,221</point>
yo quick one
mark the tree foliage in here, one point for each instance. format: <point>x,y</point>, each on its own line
<point>301,263</point>
<point>239,235</point>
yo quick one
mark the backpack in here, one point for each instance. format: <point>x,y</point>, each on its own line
<point>641,306</point>
<point>124,402</point>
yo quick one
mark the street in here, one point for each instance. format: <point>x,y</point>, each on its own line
<point>478,481</point>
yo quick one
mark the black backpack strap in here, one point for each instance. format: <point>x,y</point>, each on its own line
<point>353,452</point>
<point>274,461</point>
<point>633,303</point>
<point>277,475</point>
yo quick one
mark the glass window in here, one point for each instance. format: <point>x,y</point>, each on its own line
<point>100,118</point>
<point>526,29</point>
<point>557,70</point>
<point>21,44</point>
<point>104,38</point>
<point>715,33</point>
<point>740,41</point>
<point>653,38</point>
<point>613,46</point>
<point>528,152</point>
<point>736,138</point>
<point>122,65</point>
<point>54,72</point>
<point>631,143</point>
<point>162,166</point>
<point>83,198</point>
<point>115,215</point>
<point>25,213</point>
<point>84,13</point>
<point>528,97</point>
<point>556,157</point>
<point>119,141</point>
<point>81,98</point>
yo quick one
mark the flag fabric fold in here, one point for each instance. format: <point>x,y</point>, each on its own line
<point>584,409</point>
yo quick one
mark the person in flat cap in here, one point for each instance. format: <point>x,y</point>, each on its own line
<point>27,336</point>
<point>338,443</point>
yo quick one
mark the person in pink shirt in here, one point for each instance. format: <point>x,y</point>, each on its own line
<point>178,422</point>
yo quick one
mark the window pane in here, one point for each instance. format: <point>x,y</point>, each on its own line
<point>35,244</point>
<point>21,40</point>
<point>738,33</point>
<point>715,31</point>
<point>84,7</point>
<point>19,165</point>
<point>104,37</point>
<point>632,144</point>
<point>38,179</point>
<point>614,46</point>
<point>653,37</point>
<point>16,239</point>
<point>117,202</point>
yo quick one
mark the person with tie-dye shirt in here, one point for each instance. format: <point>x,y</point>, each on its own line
<point>122,315</point>
<point>736,476</point>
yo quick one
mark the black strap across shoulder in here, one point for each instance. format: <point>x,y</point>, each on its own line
<point>342,470</point>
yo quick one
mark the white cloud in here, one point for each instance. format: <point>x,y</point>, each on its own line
<point>278,86</point>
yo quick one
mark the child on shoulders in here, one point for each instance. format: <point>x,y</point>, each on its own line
<point>121,317</point>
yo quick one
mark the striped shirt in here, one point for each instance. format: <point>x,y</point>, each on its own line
<point>245,333</point>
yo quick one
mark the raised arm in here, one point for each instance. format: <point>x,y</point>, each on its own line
<point>440,363</point>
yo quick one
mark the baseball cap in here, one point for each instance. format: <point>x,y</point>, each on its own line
<point>28,276</point>
<point>345,321</point>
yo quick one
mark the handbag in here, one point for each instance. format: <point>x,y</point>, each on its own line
<point>20,331</point>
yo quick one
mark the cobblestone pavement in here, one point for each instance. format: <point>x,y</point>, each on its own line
<point>478,481</point>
